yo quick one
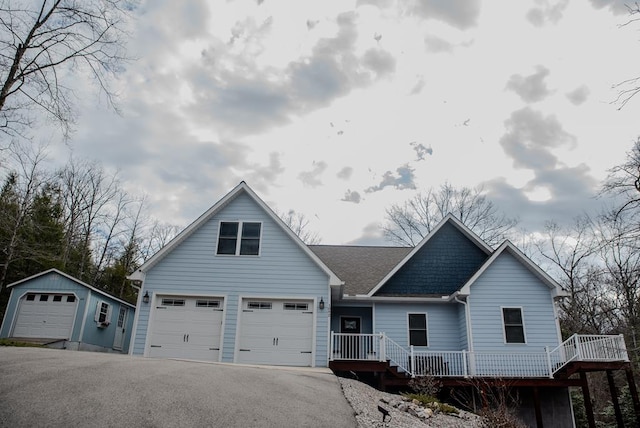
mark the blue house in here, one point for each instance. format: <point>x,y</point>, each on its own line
<point>56,309</point>
<point>239,286</point>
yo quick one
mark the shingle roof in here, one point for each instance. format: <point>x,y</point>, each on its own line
<point>360,267</point>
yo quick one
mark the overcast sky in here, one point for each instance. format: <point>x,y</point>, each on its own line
<point>337,109</point>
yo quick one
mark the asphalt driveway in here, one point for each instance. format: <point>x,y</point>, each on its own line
<point>47,387</point>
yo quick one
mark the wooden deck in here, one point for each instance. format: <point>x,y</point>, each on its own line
<point>389,366</point>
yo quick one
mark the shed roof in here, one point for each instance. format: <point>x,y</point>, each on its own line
<point>73,279</point>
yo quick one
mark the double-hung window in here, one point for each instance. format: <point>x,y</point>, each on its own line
<point>418,329</point>
<point>513,325</point>
<point>239,238</point>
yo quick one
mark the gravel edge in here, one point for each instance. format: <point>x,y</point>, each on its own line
<point>364,400</point>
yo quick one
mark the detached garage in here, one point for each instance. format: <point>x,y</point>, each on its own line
<point>56,309</point>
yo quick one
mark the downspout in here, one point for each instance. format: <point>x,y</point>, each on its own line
<point>467,317</point>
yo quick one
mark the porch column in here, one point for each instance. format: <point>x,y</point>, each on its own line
<point>588,407</point>
<point>634,392</point>
<point>614,398</point>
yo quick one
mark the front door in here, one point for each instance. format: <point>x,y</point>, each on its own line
<point>120,328</point>
<point>350,346</point>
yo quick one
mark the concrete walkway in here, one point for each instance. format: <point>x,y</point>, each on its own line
<point>46,387</point>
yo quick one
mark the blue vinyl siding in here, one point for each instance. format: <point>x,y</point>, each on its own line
<point>507,283</point>
<point>104,337</point>
<point>442,323</point>
<point>366,323</point>
<point>443,264</point>
<point>281,270</point>
<point>462,327</point>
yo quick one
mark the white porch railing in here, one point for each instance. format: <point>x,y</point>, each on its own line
<point>378,347</point>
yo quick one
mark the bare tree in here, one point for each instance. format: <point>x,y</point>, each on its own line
<point>93,203</point>
<point>627,89</point>
<point>624,181</point>
<point>572,257</point>
<point>16,200</point>
<point>299,224</point>
<point>42,41</point>
<point>621,263</point>
<point>156,237</point>
<point>408,223</point>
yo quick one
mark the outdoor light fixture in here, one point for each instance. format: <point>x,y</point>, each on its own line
<point>321,304</point>
<point>145,298</point>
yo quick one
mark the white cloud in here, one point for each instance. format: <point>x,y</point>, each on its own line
<point>404,179</point>
<point>579,95</point>
<point>312,178</point>
<point>544,12</point>
<point>352,196</point>
<point>530,88</point>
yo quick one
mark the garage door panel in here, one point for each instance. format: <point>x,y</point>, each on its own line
<point>40,316</point>
<point>187,327</point>
<point>278,332</point>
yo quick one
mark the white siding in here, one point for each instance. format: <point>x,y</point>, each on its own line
<point>507,283</point>
<point>442,323</point>
<point>281,270</point>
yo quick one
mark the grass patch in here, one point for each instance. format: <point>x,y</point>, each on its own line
<point>12,342</point>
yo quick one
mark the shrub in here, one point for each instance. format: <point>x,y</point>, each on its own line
<point>426,385</point>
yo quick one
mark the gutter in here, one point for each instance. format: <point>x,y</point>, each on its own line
<point>394,299</point>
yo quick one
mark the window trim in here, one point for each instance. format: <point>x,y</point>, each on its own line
<point>295,306</point>
<point>426,331</point>
<point>208,303</point>
<point>173,302</point>
<point>239,238</point>
<point>259,305</point>
<point>107,314</point>
<point>522,325</point>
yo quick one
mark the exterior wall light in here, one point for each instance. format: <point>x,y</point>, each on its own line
<point>145,299</point>
<point>321,304</point>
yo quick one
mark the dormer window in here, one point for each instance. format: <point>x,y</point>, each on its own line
<point>237,238</point>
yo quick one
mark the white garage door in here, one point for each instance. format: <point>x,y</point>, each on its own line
<point>45,315</point>
<point>277,332</point>
<point>186,327</point>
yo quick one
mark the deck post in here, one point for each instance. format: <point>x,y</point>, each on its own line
<point>550,368</point>
<point>614,398</point>
<point>412,363</point>
<point>537,407</point>
<point>383,348</point>
<point>465,363</point>
<point>588,407</point>
<point>331,347</point>
<point>634,392</point>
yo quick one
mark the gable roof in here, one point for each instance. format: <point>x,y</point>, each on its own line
<point>449,219</point>
<point>241,188</point>
<point>508,247</point>
<point>71,278</point>
<point>360,266</point>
